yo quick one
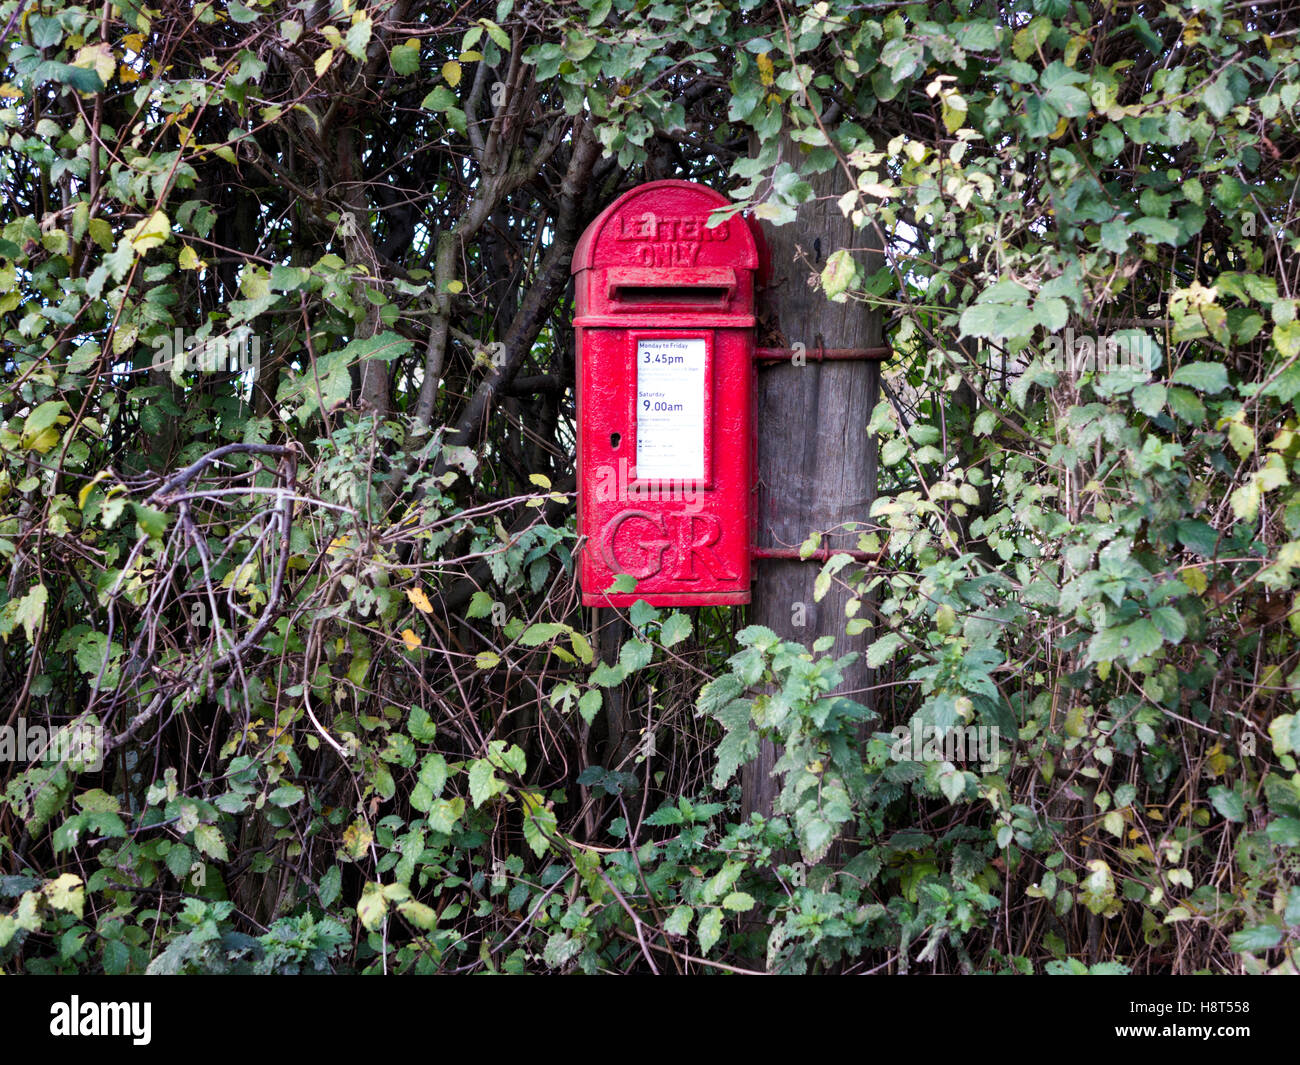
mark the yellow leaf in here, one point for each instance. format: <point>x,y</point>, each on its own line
<point>486,659</point>
<point>540,479</point>
<point>411,640</point>
<point>419,600</point>
<point>323,62</point>
<point>134,41</point>
<point>97,57</point>
<point>357,838</point>
<point>10,92</point>
<point>1059,132</point>
<point>129,74</point>
<point>84,494</point>
<point>1217,763</point>
<point>1195,580</point>
<point>765,72</point>
<point>189,259</point>
<point>149,232</point>
<point>451,73</point>
<point>41,442</point>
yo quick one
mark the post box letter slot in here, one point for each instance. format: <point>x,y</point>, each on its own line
<point>697,287</point>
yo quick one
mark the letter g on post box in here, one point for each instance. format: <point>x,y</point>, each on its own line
<point>664,327</point>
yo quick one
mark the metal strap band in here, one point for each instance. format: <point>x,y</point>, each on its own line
<point>822,554</point>
<point>823,354</point>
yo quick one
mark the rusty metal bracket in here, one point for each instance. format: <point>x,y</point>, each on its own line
<point>774,355</point>
<point>821,554</point>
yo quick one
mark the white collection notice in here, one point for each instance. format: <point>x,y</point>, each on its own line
<point>670,409</point>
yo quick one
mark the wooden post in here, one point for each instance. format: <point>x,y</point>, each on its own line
<point>816,462</point>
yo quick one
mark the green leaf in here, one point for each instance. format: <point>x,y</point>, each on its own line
<point>541,632</point>
<point>997,321</point>
<point>635,654</point>
<point>45,32</point>
<point>679,921</point>
<point>1260,937</point>
<point>358,37</point>
<point>838,274</point>
<point>1284,831</point>
<point>1202,376</point>
<point>589,705</point>
<point>1218,97</point>
<point>1172,625</point>
<point>894,451</point>
<point>738,901</point>
<point>406,57</point>
<point>883,649</point>
<point>441,99</point>
<point>483,783</point>
<point>209,840</point>
<point>445,814</point>
<point>31,613</point>
<point>1228,803</point>
<point>607,676</point>
<point>539,825</point>
<point>675,629</point>
<point>710,929</point>
<point>286,795</point>
<point>331,886</point>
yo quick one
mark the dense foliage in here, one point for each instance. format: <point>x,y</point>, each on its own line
<point>286,473</point>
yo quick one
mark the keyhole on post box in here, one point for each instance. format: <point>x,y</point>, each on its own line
<point>614,438</point>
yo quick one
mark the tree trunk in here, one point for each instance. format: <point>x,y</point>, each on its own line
<point>816,462</point>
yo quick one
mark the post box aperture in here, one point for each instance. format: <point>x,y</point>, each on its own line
<point>664,329</point>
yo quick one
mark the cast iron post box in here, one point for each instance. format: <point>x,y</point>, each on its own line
<point>664,326</point>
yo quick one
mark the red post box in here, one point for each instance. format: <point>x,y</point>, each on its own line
<point>664,326</point>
